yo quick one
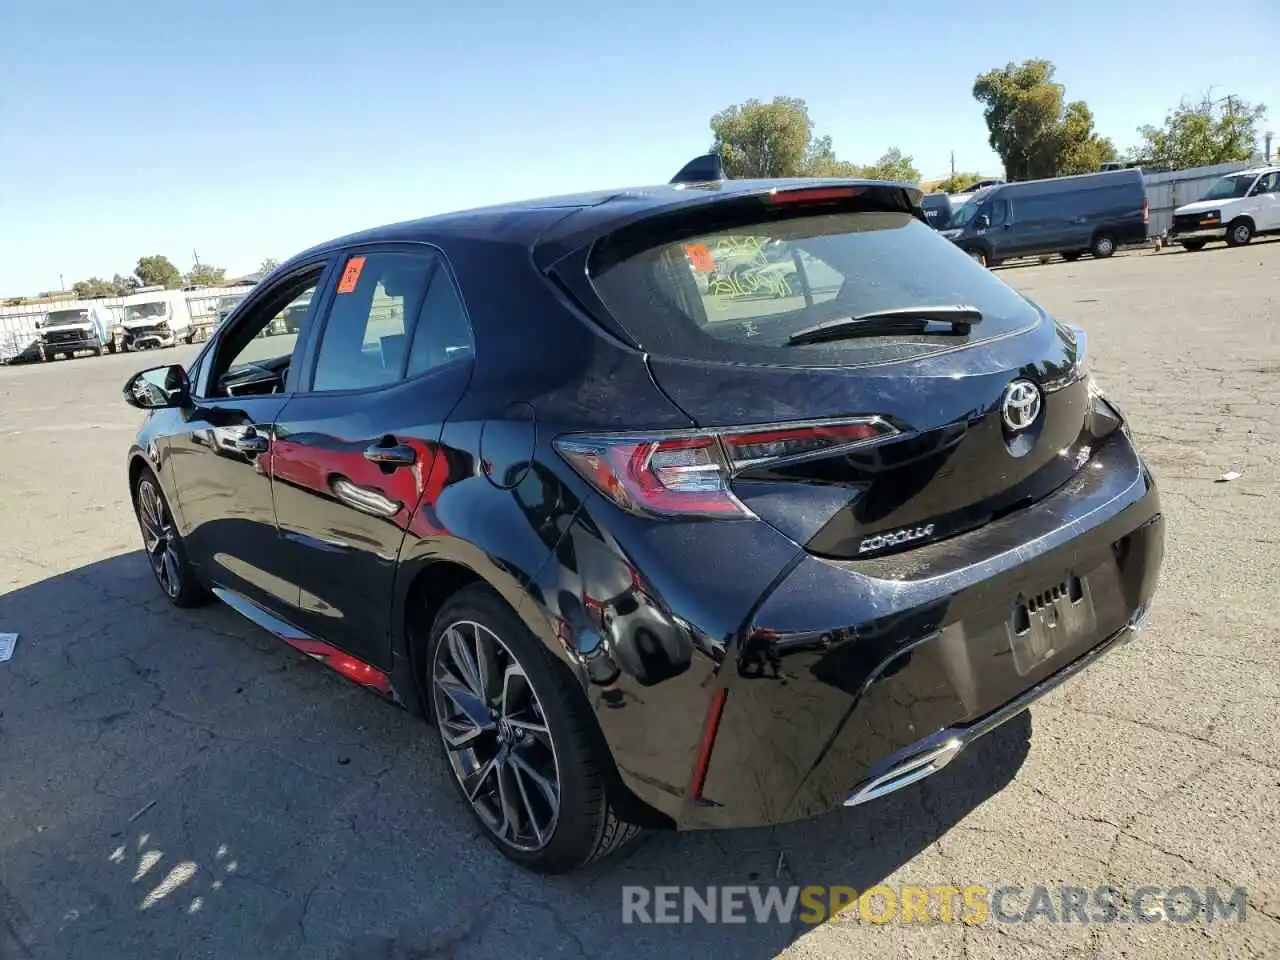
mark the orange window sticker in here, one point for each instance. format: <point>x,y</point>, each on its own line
<point>700,256</point>
<point>351,275</point>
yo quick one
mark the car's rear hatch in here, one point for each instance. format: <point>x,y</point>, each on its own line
<point>960,425</point>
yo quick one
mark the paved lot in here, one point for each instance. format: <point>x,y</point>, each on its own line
<point>180,785</point>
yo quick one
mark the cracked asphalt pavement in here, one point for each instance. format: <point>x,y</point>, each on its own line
<point>179,784</point>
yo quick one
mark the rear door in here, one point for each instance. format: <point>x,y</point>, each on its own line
<point>961,426</point>
<point>354,449</point>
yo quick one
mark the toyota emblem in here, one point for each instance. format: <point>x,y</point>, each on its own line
<point>1021,405</point>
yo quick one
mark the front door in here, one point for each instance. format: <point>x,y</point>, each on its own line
<point>1266,201</point>
<point>354,450</point>
<point>221,460</point>
<point>1002,232</point>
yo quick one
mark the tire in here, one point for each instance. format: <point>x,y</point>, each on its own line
<point>1194,245</point>
<point>977,256</point>
<point>1103,246</point>
<point>100,351</point>
<point>536,742</point>
<point>111,347</point>
<point>1239,232</point>
<point>163,545</point>
<point>1072,256</point>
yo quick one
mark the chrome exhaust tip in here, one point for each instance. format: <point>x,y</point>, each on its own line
<point>906,773</point>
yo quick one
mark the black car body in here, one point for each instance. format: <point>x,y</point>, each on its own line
<point>759,553</point>
<point>1095,213</point>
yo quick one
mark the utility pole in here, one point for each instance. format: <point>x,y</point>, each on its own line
<point>953,163</point>
<point>62,284</point>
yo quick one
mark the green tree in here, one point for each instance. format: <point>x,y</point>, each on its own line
<point>204,275</point>
<point>957,182</point>
<point>820,161</point>
<point>1035,132</point>
<point>90,289</point>
<point>757,139</point>
<point>157,269</point>
<point>268,265</point>
<point>892,166</point>
<point>1212,132</point>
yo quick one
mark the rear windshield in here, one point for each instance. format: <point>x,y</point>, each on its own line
<point>738,295</point>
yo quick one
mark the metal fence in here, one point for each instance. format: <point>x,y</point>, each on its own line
<point>1168,191</point>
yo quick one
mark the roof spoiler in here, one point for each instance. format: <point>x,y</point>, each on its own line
<point>708,168</point>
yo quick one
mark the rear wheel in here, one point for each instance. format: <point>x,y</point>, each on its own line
<point>1194,245</point>
<point>1104,245</point>
<point>1239,232</point>
<point>165,553</point>
<point>520,741</point>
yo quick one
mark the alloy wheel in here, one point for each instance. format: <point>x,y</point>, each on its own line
<point>496,735</point>
<point>159,537</point>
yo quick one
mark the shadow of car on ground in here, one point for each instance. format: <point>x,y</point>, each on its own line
<point>181,783</point>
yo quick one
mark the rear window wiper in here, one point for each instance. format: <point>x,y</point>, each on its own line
<point>958,318</point>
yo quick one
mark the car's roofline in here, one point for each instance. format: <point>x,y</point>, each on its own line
<point>525,222</point>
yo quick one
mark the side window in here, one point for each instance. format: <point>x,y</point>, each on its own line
<point>253,357</point>
<point>363,343</point>
<point>999,211</point>
<point>1268,183</point>
<point>442,334</point>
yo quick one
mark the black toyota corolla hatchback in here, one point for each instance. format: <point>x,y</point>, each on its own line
<point>712,504</point>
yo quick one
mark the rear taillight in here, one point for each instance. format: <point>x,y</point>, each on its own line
<point>1146,212</point>
<point>688,474</point>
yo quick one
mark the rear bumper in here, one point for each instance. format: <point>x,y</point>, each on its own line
<point>926,757</point>
<point>848,672</point>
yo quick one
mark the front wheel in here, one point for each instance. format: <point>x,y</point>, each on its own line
<point>519,738</point>
<point>1104,245</point>
<point>1193,245</point>
<point>978,256</point>
<point>1239,233</point>
<point>163,545</point>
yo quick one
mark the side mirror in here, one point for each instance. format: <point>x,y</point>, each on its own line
<point>982,222</point>
<point>158,388</point>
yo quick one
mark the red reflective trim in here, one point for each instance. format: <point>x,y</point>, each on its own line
<point>362,673</point>
<point>709,730</point>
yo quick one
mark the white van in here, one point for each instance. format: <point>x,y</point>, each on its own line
<point>65,332</point>
<point>152,320</point>
<point>1235,209</point>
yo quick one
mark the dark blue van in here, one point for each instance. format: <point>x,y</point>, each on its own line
<point>937,210</point>
<point>1093,213</point>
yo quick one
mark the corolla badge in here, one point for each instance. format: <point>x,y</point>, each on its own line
<point>1021,405</point>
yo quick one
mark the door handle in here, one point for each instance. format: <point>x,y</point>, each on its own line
<point>253,443</point>
<point>400,455</point>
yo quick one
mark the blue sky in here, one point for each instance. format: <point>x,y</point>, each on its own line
<point>254,129</point>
